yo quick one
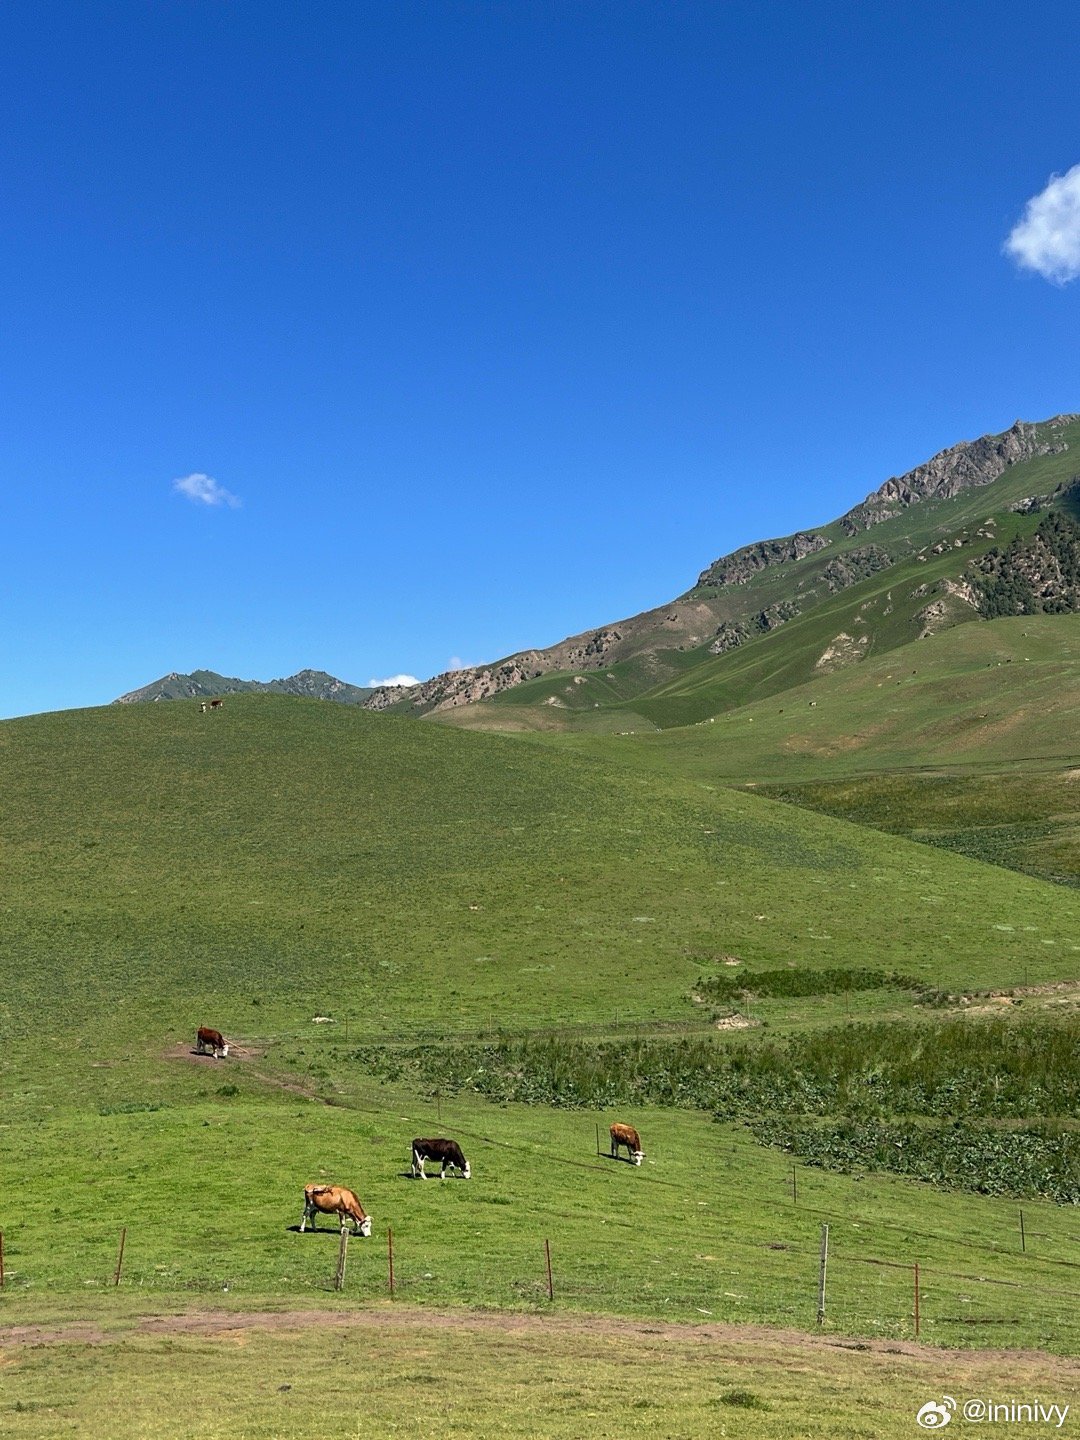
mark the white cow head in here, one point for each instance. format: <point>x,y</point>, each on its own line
<point>639,1155</point>
<point>365,1226</point>
<point>467,1172</point>
<point>225,1048</point>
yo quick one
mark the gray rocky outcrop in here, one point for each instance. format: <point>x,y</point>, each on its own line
<point>972,462</point>
<point>741,565</point>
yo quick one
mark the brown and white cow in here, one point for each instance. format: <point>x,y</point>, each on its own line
<point>447,1152</point>
<point>335,1200</point>
<point>628,1136</point>
<point>216,704</point>
<point>212,1041</point>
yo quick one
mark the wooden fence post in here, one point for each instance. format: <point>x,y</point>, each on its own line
<point>547,1253</point>
<point>598,1137</point>
<point>916,1299</point>
<point>794,1187</point>
<point>390,1256</point>
<point>1023,1237</point>
<point>1,1259</point>
<point>821,1274</point>
<point>120,1256</point>
<point>343,1250</point>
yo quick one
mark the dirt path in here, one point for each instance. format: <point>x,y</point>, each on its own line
<point>393,1316</point>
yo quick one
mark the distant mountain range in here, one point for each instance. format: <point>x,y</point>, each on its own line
<point>200,684</point>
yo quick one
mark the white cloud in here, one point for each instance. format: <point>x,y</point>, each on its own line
<point>1047,239</point>
<point>394,680</point>
<point>456,663</point>
<point>205,491</point>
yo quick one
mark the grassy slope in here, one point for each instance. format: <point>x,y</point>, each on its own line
<point>966,739</point>
<point>1025,819</point>
<point>286,859</point>
<point>998,694</point>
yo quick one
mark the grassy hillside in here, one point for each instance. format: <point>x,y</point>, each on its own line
<point>997,694</point>
<point>285,858</point>
<point>964,740</point>
<point>286,869</point>
<point>885,612</point>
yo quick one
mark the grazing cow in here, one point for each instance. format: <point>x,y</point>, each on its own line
<point>212,1041</point>
<point>202,708</point>
<point>448,1152</point>
<point>628,1136</point>
<point>216,704</point>
<point>335,1200</point>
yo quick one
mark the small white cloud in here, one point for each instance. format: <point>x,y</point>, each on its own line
<point>394,680</point>
<point>1047,238</point>
<point>204,490</point>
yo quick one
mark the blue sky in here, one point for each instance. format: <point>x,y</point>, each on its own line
<point>493,321</point>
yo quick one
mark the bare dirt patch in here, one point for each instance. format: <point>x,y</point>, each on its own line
<point>389,1315</point>
<point>187,1051</point>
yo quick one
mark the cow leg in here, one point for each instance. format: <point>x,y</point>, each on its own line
<point>303,1219</point>
<point>442,1172</point>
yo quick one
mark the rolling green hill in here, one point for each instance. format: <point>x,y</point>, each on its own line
<point>327,886</point>
<point>287,858</point>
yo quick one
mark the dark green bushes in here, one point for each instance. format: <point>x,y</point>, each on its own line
<point>1036,1159</point>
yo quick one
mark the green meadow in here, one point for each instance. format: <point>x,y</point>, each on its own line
<point>338,891</point>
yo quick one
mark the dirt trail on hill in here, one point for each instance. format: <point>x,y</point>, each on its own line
<point>392,1316</point>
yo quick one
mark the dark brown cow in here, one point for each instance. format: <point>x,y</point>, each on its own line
<point>335,1200</point>
<point>212,1041</point>
<point>216,704</point>
<point>628,1136</point>
<point>447,1152</point>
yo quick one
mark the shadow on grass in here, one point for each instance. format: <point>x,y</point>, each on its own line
<point>322,1230</point>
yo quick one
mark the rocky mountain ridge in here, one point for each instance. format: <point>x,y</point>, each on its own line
<point>972,462</point>
<point>713,615</point>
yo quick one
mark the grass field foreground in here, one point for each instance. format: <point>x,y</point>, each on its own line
<point>339,1375</point>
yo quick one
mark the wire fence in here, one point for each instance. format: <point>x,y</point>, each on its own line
<point>882,1276</point>
<point>775,1282</point>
